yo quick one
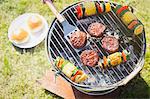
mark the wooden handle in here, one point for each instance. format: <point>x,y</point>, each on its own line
<point>53,9</point>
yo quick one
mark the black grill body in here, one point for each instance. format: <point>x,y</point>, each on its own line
<point>101,81</point>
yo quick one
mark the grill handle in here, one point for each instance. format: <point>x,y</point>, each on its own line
<point>53,9</point>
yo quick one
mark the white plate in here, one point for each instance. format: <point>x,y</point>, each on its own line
<point>35,38</point>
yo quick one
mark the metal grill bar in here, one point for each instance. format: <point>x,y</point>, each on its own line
<point>124,25</point>
<point>92,41</point>
<point>124,35</point>
<point>96,44</point>
<point>110,17</point>
<point>127,38</point>
<point>97,66</point>
<point>57,51</point>
<point>87,33</point>
<point>65,49</point>
<point>76,60</point>
<point>107,52</point>
<point>119,44</point>
<point>100,68</point>
<point>70,50</point>
<point>82,28</point>
<point>120,30</point>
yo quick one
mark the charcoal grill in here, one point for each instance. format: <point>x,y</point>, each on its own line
<point>100,81</point>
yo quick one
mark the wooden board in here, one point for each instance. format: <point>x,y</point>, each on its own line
<point>63,89</point>
<point>57,85</point>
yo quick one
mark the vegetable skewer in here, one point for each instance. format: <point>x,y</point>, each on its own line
<point>114,59</point>
<point>70,70</point>
<point>129,19</point>
<point>91,8</point>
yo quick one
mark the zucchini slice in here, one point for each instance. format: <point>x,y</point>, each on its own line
<point>138,29</point>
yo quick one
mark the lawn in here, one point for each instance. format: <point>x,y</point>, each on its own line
<point>18,72</point>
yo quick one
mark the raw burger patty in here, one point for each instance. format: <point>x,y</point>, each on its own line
<point>89,58</point>
<point>111,44</point>
<point>96,29</point>
<point>78,39</point>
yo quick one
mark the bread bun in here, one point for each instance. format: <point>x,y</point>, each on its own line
<point>35,23</point>
<point>20,36</point>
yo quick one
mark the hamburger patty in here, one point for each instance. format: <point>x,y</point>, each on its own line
<point>78,39</point>
<point>96,29</point>
<point>111,44</point>
<point>89,58</point>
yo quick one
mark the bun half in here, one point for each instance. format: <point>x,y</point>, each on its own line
<point>20,36</point>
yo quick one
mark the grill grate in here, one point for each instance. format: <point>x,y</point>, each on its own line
<point>58,46</point>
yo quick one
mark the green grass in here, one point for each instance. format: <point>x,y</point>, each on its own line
<point>18,72</point>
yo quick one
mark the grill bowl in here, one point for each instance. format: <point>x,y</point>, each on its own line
<point>104,80</point>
